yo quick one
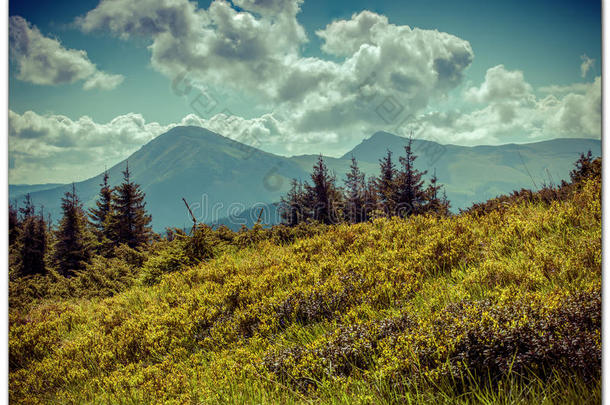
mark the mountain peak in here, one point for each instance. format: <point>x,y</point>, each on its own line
<point>382,135</point>
<point>191,131</point>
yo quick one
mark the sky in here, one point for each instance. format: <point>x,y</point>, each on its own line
<point>91,82</point>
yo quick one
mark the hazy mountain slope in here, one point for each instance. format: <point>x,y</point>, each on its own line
<point>218,177</point>
<point>473,174</point>
<point>18,191</point>
<point>222,178</point>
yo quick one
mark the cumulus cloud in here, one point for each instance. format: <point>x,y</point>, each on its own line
<point>43,60</point>
<point>586,65</point>
<point>514,114</point>
<point>54,148</point>
<point>256,48</point>
<point>570,88</point>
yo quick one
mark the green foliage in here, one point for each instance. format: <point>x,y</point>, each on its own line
<point>495,306</point>
<point>128,222</point>
<point>32,241</point>
<point>73,248</point>
<point>394,193</point>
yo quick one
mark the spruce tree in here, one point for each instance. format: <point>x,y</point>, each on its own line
<point>386,185</point>
<point>101,217</point>
<point>585,167</point>
<point>32,240</point>
<point>100,214</point>
<point>434,202</point>
<point>294,207</point>
<point>129,222</point>
<point>323,197</point>
<point>13,225</point>
<point>410,194</point>
<point>73,249</point>
<point>371,203</point>
<point>355,188</point>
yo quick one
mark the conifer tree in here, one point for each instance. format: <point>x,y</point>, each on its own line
<point>322,196</point>
<point>410,194</point>
<point>129,222</point>
<point>13,225</point>
<point>386,185</point>
<point>101,213</point>
<point>445,205</point>
<point>294,207</point>
<point>101,217</point>
<point>355,190</point>
<point>434,202</point>
<point>73,247</point>
<point>585,166</point>
<point>371,203</point>
<point>32,240</point>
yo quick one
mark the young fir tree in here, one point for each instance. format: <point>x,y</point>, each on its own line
<point>32,240</point>
<point>294,205</point>
<point>13,225</point>
<point>355,188</point>
<point>371,203</point>
<point>586,166</point>
<point>129,222</point>
<point>410,194</point>
<point>386,185</point>
<point>323,197</point>
<point>434,202</point>
<point>100,217</point>
<point>73,247</point>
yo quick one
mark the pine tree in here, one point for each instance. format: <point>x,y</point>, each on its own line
<point>73,249</point>
<point>13,225</point>
<point>386,185</point>
<point>129,222</point>
<point>410,194</point>
<point>101,217</point>
<point>32,240</point>
<point>294,207</point>
<point>100,214</point>
<point>371,204</point>
<point>585,167</point>
<point>355,189</point>
<point>323,197</point>
<point>434,203</point>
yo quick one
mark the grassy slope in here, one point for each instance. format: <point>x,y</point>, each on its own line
<point>378,312</point>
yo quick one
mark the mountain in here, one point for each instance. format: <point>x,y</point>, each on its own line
<point>216,175</point>
<point>478,173</point>
<point>18,191</point>
<point>227,182</point>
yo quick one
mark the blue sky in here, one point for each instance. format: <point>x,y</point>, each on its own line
<point>516,68</point>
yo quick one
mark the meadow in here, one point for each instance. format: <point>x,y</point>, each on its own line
<point>497,304</point>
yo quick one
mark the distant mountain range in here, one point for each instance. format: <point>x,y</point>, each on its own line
<point>228,182</point>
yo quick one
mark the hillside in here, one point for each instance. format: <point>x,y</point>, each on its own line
<point>216,175</point>
<point>478,173</point>
<point>495,306</point>
<point>221,178</point>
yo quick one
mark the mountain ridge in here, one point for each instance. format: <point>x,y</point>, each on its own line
<point>221,177</point>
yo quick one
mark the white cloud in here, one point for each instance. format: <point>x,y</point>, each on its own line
<point>257,50</point>
<point>570,88</point>
<point>586,65</point>
<point>43,60</point>
<point>515,114</point>
<point>54,148</point>
<point>501,85</point>
<point>102,81</point>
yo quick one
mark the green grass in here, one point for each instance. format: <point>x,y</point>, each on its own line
<point>467,309</point>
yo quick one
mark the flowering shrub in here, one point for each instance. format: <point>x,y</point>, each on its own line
<point>392,310</point>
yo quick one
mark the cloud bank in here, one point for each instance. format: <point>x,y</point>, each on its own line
<point>43,60</point>
<point>378,76</point>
